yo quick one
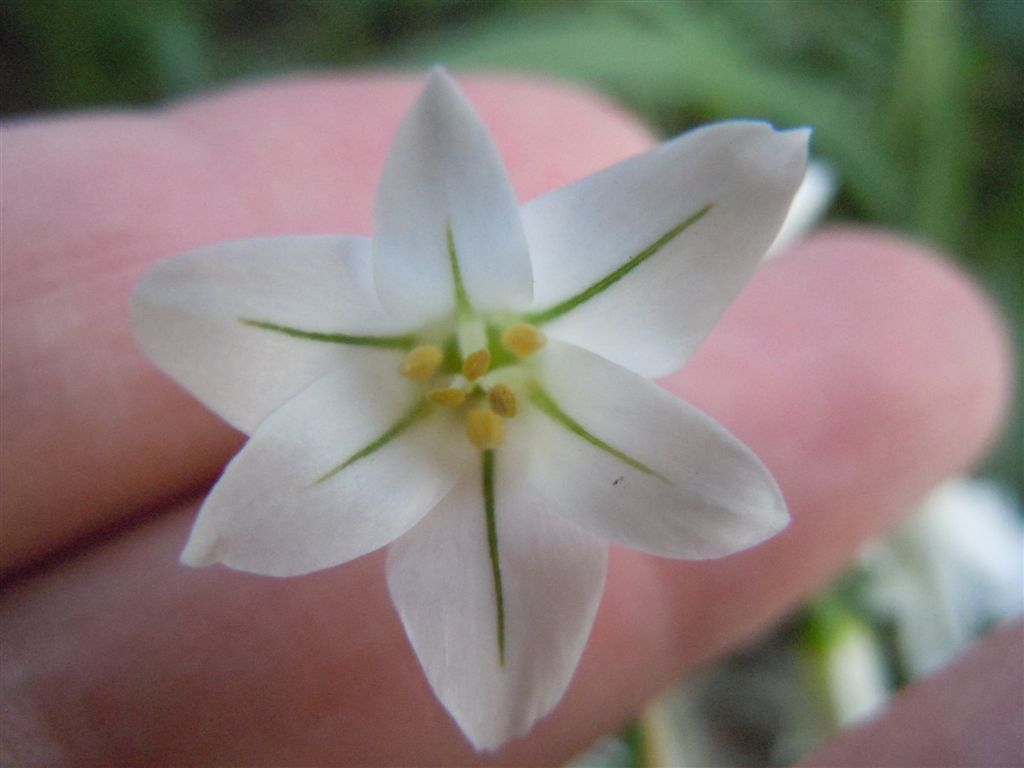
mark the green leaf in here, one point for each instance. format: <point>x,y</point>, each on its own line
<point>661,58</point>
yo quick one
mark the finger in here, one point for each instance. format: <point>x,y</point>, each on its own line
<point>968,714</point>
<point>93,432</point>
<point>859,368</point>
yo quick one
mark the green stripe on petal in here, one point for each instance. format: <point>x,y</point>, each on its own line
<point>547,404</point>
<point>549,314</point>
<point>417,412</point>
<point>386,342</point>
<point>462,304</point>
<point>492,545</point>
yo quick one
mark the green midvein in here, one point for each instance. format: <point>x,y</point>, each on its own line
<point>549,314</point>
<point>416,412</point>
<point>389,342</point>
<point>462,304</point>
<point>492,545</point>
<point>547,404</point>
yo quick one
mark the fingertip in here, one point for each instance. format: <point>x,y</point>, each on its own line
<point>332,133</point>
<point>858,340</point>
<point>863,369</point>
<point>935,332</point>
<point>967,714</point>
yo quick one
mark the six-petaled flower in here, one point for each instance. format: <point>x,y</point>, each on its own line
<point>473,387</point>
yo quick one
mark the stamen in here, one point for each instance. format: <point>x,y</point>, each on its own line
<point>476,364</point>
<point>422,362</point>
<point>485,429</point>
<point>503,400</point>
<point>450,396</point>
<point>522,339</point>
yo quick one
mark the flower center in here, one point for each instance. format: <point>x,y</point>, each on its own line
<point>485,389</point>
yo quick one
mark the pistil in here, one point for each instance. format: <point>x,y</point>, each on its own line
<point>488,401</point>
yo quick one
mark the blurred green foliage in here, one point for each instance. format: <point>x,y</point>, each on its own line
<point>917,104</point>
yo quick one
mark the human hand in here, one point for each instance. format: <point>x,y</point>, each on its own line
<point>861,370</point>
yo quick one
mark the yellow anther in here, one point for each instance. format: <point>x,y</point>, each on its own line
<point>484,428</point>
<point>522,339</point>
<point>503,400</point>
<point>422,362</point>
<point>476,364</point>
<point>448,396</point>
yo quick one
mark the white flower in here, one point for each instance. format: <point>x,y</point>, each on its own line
<point>809,204</point>
<point>473,388</point>
<point>949,572</point>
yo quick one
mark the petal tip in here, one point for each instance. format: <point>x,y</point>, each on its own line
<point>439,73</point>
<point>199,554</point>
<point>799,140</point>
<point>774,519</point>
<point>795,139</point>
<point>440,83</point>
<point>780,517</point>
<point>802,135</point>
<point>493,736</point>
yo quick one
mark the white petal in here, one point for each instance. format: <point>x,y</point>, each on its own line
<point>441,580</point>
<point>653,318</point>
<point>444,171</point>
<point>682,486</point>
<point>278,510</point>
<point>808,206</point>
<point>188,315</point>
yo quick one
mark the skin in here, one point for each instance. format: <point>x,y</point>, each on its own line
<point>861,367</point>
